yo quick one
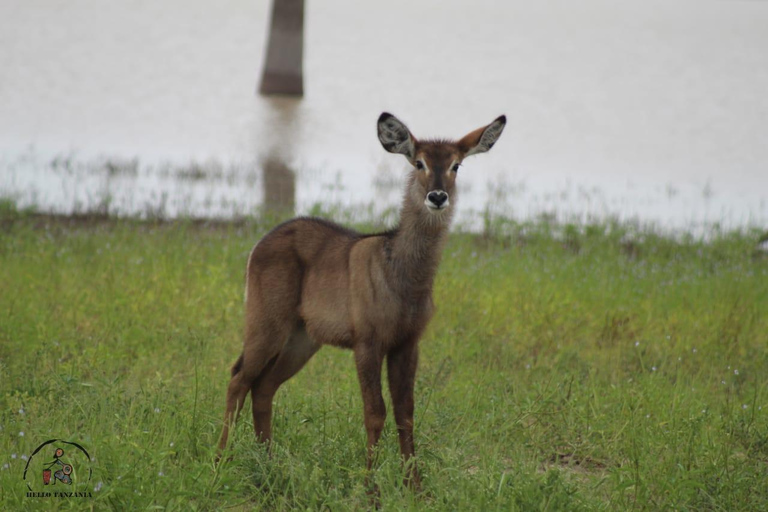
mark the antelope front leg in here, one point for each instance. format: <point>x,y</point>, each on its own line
<point>401,372</point>
<point>368,362</point>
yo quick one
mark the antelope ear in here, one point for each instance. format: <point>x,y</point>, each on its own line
<point>395,136</point>
<point>482,139</point>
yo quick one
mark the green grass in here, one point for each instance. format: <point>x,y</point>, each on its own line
<point>565,369</point>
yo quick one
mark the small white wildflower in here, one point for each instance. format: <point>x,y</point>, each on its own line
<point>735,372</point>
<point>21,434</point>
<point>97,487</point>
<point>13,455</point>
<point>21,410</point>
<point>722,382</point>
<point>647,415</point>
<point>653,368</point>
<point>157,409</point>
<point>637,343</point>
<point>6,466</point>
<point>226,487</point>
<point>729,367</point>
<point>679,358</point>
<point>171,445</point>
<point>160,473</point>
<point>119,477</point>
<point>528,366</point>
<point>703,411</point>
<point>744,407</point>
<point>694,351</point>
<point>24,457</point>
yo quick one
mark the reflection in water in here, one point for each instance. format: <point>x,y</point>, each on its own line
<point>283,134</point>
<point>279,186</point>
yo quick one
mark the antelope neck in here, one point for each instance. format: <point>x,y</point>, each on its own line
<point>416,247</point>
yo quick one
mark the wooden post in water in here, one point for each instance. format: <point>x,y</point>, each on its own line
<point>282,72</point>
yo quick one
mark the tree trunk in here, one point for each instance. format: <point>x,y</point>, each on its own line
<point>282,72</point>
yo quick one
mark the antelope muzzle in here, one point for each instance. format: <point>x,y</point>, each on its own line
<point>437,200</point>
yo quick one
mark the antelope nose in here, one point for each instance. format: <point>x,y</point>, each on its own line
<point>437,197</point>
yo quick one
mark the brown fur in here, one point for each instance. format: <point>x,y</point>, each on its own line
<point>310,283</point>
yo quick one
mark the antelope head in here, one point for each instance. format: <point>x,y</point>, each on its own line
<point>436,162</point>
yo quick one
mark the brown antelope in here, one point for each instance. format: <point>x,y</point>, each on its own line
<point>310,282</point>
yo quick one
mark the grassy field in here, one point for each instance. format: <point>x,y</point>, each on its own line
<point>567,368</point>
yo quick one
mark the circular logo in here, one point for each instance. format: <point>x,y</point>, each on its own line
<point>58,465</point>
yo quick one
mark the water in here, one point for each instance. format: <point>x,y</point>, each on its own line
<point>651,110</point>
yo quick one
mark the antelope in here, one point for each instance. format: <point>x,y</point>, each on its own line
<point>310,282</point>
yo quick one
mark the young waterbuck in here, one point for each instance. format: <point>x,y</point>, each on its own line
<point>310,282</point>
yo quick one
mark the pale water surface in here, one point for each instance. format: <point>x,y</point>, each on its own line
<point>653,110</point>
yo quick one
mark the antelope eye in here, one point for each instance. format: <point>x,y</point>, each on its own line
<point>419,165</point>
<point>455,168</point>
